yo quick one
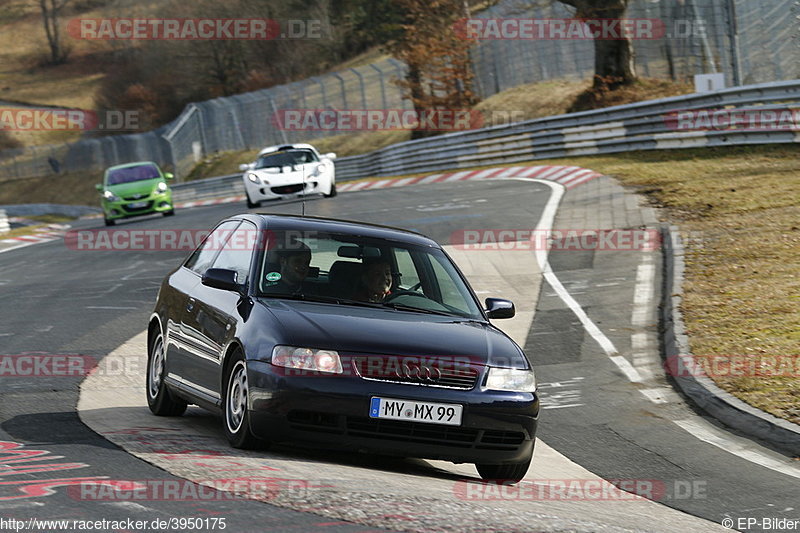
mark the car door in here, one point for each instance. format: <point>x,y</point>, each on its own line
<point>184,345</point>
<point>216,312</point>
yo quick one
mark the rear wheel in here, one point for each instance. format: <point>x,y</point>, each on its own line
<point>236,417</point>
<point>109,222</point>
<point>159,399</point>
<point>512,472</point>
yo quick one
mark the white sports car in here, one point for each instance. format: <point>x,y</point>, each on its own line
<point>288,171</point>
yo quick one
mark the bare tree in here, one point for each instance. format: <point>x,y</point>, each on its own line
<point>50,12</point>
<point>613,58</point>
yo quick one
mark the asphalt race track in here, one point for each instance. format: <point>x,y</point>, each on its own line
<point>58,301</point>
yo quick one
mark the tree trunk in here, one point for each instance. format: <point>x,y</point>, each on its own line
<point>613,63</point>
<point>613,59</point>
<point>50,10</point>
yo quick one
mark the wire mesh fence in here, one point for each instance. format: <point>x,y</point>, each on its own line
<point>749,41</point>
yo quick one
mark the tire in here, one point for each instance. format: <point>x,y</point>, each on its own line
<point>333,191</point>
<point>235,416</point>
<point>251,204</point>
<point>109,222</point>
<point>169,213</point>
<point>159,399</point>
<point>512,472</point>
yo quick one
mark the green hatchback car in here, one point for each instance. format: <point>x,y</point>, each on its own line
<point>135,189</point>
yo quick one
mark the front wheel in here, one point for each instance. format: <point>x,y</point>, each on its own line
<point>250,203</point>
<point>159,399</point>
<point>333,191</point>
<point>169,213</point>
<point>236,416</point>
<point>512,472</point>
<point>109,221</point>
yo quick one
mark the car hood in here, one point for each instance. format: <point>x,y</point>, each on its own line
<point>362,330</point>
<point>134,187</point>
<point>289,176</point>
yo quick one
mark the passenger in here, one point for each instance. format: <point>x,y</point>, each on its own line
<point>375,282</point>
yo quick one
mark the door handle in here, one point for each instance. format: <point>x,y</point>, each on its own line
<point>190,305</point>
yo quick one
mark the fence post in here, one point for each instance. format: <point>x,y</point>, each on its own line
<point>382,82</point>
<point>361,85</point>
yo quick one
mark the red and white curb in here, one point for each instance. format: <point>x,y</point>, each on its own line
<point>216,201</point>
<point>47,233</point>
<point>570,177</point>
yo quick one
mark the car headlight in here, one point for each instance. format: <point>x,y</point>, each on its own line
<point>307,359</point>
<point>162,187</point>
<point>511,379</point>
<point>110,196</point>
<point>253,178</point>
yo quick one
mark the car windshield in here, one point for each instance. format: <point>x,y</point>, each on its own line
<point>351,270</point>
<point>129,174</point>
<point>285,159</point>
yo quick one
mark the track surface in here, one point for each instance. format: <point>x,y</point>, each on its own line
<point>60,301</point>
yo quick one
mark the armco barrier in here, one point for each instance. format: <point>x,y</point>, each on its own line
<point>639,126</point>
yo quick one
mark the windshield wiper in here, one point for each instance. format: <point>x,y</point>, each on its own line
<point>322,299</point>
<point>402,307</point>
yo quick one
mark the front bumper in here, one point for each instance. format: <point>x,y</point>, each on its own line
<point>260,191</point>
<point>155,203</point>
<point>497,427</point>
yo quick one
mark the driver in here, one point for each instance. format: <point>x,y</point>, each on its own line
<point>375,281</point>
<point>293,260</point>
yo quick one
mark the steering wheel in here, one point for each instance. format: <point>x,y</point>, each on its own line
<point>403,292</point>
<point>415,287</point>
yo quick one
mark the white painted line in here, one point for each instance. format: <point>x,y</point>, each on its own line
<point>661,395</point>
<point>109,307</point>
<point>545,226</point>
<point>643,293</point>
<point>712,435</point>
<point>630,372</point>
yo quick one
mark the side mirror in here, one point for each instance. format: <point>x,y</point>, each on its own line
<point>245,167</point>
<point>500,308</point>
<point>330,155</point>
<point>221,278</point>
<point>99,187</point>
<point>169,175</point>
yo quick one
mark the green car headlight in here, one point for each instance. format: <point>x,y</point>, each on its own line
<point>162,187</point>
<point>110,196</point>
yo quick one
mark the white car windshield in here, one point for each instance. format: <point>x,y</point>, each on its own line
<point>286,159</point>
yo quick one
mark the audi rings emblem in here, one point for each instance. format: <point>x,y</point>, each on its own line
<point>419,372</point>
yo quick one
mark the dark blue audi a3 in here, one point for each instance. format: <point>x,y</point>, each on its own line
<point>341,335</point>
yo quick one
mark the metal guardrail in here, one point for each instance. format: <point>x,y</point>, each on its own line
<point>4,227</point>
<point>639,126</point>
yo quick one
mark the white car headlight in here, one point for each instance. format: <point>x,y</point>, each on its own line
<point>307,359</point>
<point>162,187</point>
<point>110,196</point>
<point>253,178</point>
<point>511,379</point>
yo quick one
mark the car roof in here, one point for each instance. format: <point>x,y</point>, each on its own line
<point>332,225</point>
<point>134,164</point>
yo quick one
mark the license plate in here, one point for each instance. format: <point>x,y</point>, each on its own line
<point>428,412</point>
<point>137,205</point>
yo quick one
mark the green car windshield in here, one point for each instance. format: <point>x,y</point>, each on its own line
<point>130,174</point>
